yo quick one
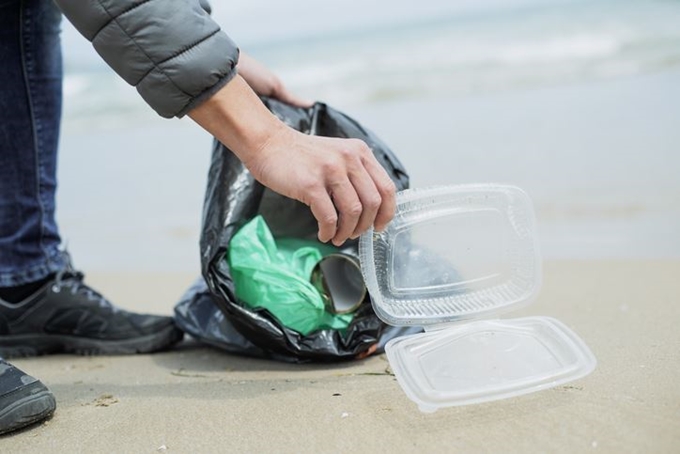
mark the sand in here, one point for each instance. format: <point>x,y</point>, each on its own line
<point>198,399</point>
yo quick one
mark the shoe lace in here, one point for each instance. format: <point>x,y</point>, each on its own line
<point>68,277</point>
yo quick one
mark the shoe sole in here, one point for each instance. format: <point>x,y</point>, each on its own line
<point>25,345</point>
<point>26,411</point>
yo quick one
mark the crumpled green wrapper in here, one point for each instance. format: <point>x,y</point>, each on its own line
<point>274,275</point>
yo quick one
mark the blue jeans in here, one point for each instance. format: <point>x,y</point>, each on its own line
<point>30,115</point>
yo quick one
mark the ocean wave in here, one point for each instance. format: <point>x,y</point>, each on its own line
<point>501,51</point>
<point>537,49</point>
<point>560,49</point>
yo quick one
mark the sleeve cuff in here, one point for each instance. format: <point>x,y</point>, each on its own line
<point>207,93</point>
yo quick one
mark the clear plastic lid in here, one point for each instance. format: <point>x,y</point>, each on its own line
<point>487,360</point>
<point>453,253</point>
<point>458,253</point>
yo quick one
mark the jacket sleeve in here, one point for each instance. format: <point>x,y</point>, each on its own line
<point>170,50</point>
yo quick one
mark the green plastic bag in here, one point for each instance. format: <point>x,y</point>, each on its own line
<point>274,275</point>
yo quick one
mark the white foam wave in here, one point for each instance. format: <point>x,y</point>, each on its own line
<point>560,49</point>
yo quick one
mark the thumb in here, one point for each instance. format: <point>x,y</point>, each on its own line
<point>289,98</point>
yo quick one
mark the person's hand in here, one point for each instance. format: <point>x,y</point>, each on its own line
<point>346,188</point>
<point>266,83</point>
<point>340,180</point>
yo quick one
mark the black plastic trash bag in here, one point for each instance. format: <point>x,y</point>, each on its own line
<point>213,314</point>
<point>198,315</point>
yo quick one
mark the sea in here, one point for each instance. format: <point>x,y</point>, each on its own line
<point>575,101</point>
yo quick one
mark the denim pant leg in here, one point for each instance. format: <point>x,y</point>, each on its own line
<point>30,115</point>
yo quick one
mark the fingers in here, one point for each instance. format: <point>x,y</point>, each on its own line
<point>349,209</point>
<point>324,212</point>
<point>364,196</point>
<point>387,191</point>
<point>370,200</point>
<point>282,94</point>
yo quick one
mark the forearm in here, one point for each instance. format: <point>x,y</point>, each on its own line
<point>237,118</point>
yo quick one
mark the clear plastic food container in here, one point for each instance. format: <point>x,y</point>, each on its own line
<point>452,260</point>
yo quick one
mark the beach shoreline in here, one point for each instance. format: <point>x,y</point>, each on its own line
<point>199,399</point>
<point>598,159</point>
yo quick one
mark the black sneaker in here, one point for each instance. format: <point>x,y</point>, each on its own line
<point>67,316</point>
<point>24,400</point>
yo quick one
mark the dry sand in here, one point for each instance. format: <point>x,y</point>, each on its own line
<point>198,399</point>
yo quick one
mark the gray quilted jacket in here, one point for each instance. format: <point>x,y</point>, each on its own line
<point>171,50</point>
